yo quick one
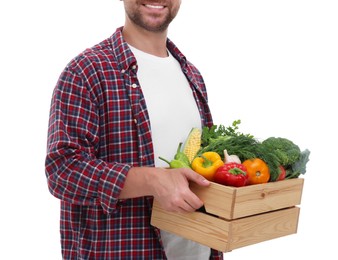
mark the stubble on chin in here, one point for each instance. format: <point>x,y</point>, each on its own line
<point>151,23</point>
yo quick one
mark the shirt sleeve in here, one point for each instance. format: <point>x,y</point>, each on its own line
<point>74,172</point>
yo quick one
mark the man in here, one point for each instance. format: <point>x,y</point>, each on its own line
<point>117,107</point>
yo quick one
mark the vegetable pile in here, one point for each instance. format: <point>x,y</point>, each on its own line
<point>229,157</point>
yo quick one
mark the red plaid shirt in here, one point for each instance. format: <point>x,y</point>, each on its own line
<point>98,129</point>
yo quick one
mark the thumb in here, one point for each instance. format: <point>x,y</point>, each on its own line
<point>197,178</point>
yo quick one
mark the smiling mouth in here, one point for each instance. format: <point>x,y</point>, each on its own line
<point>154,6</point>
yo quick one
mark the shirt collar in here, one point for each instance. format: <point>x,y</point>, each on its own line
<point>176,53</point>
<point>121,50</point>
<point>127,60</point>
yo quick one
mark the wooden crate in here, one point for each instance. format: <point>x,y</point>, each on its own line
<point>237,217</point>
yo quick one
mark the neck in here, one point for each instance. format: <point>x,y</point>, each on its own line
<point>150,42</point>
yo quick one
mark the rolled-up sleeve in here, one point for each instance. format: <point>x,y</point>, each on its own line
<point>74,172</point>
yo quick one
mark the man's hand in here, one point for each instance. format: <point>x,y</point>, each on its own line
<point>171,189</point>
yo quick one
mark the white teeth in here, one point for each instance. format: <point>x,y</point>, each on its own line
<point>155,6</point>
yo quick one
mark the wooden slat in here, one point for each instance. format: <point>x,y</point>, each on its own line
<point>218,199</point>
<point>231,203</point>
<point>202,228</point>
<point>263,227</point>
<point>226,235</point>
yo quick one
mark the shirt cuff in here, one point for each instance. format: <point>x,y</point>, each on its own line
<point>110,186</point>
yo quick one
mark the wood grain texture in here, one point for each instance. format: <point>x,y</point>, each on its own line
<point>231,203</point>
<point>236,217</point>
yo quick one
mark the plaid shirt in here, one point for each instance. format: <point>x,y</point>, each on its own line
<point>98,129</point>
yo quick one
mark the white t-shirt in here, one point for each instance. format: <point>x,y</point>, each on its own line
<point>173,113</point>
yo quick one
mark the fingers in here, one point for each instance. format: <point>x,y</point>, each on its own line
<point>181,200</point>
<point>192,201</point>
<point>173,192</point>
<point>186,201</point>
<point>195,177</point>
<point>185,207</point>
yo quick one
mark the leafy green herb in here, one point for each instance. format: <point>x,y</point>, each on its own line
<point>245,147</point>
<point>217,131</point>
<point>275,151</point>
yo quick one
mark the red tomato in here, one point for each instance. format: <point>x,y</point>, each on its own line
<point>282,173</point>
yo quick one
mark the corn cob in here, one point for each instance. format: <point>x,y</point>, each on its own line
<point>193,143</point>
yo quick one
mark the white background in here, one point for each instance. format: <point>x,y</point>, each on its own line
<point>273,64</point>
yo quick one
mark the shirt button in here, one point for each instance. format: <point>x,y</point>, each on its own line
<point>123,71</point>
<point>133,67</point>
<point>135,121</point>
<point>134,85</point>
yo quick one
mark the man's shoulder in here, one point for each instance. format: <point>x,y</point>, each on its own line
<point>96,54</point>
<point>110,52</point>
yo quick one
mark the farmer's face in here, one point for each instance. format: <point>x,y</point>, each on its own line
<point>151,15</point>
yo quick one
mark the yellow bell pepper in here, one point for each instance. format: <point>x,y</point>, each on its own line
<point>207,164</point>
